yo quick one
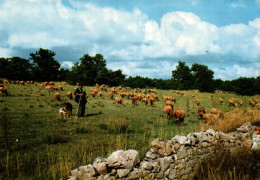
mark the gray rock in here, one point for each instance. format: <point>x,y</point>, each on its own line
<point>165,163</point>
<point>160,175</point>
<point>246,127</point>
<point>101,165</point>
<point>224,136</point>
<point>86,172</point>
<point>123,159</point>
<point>182,140</point>
<point>172,174</point>
<point>150,155</point>
<point>162,147</point>
<point>123,172</point>
<point>136,174</point>
<point>146,165</point>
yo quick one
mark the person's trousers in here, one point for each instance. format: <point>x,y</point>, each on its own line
<point>81,109</point>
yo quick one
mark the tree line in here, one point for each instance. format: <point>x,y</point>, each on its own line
<point>42,66</point>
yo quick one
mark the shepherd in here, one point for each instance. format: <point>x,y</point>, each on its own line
<point>80,98</point>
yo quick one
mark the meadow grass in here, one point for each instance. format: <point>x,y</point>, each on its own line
<point>41,145</point>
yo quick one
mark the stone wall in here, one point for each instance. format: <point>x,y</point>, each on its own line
<point>167,159</point>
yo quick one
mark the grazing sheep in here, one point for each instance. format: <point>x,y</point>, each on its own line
<point>201,111</point>
<point>49,87</point>
<point>13,82</point>
<point>221,101</point>
<point>119,101</point>
<point>168,110</point>
<point>197,101</point>
<point>216,112</point>
<point>232,102</point>
<point>6,81</point>
<point>28,82</point>
<point>60,88</point>
<point>258,105</point>
<point>241,103</point>
<point>93,94</point>
<point>110,95</point>
<point>51,83</point>
<point>151,101</point>
<point>169,103</point>
<point>100,94</point>
<point>21,82</point>
<point>69,95</point>
<point>154,96</point>
<point>208,118</point>
<point>179,115</point>
<point>57,97</point>
<point>134,100</point>
<point>35,84</point>
<point>120,88</point>
<point>97,86</point>
<point>145,101</point>
<point>3,91</point>
<point>128,88</point>
<point>252,103</point>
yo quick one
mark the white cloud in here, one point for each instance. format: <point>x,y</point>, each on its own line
<point>67,64</point>
<point>237,4</point>
<point>125,36</point>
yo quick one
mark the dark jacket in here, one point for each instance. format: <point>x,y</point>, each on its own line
<point>78,99</point>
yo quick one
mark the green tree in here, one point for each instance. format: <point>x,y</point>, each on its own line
<point>45,67</point>
<point>183,76</point>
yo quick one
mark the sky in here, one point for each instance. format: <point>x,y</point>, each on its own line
<point>140,37</point>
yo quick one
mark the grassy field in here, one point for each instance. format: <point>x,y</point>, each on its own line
<point>41,145</point>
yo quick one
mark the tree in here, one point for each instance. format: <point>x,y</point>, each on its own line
<point>203,78</point>
<point>183,76</point>
<point>45,67</point>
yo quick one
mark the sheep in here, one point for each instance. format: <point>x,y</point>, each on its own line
<point>252,103</point>
<point>69,95</point>
<point>128,88</point>
<point>179,115</point>
<point>93,94</point>
<point>258,106</point>
<point>35,84</point>
<point>100,94</point>
<point>28,82</point>
<point>197,101</point>
<point>201,111</point>
<point>151,101</point>
<point>232,102</point>
<point>51,83</point>
<point>97,86</point>
<point>154,96</point>
<point>168,110</point>
<point>169,103</point>
<point>134,100</point>
<point>49,87</point>
<point>6,81</point>
<point>57,97</point>
<point>3,91</point>
<point>221,101</point>
<point>145,101</point>
<point>60,88</point>
<point>21,82</point>
<point>241,103</point>
<point>208,118</point>
<point>110,95</point>
<point>118,101</point>
<point>119,88</point>
<point>216,112</point>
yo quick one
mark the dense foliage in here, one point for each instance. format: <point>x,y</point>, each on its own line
<point>42,66</point>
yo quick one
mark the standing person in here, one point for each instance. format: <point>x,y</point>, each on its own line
<point>80,98</point>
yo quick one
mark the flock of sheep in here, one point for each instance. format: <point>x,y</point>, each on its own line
<point>145,96</point>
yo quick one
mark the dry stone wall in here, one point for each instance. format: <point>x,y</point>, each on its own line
<point>167,159</point>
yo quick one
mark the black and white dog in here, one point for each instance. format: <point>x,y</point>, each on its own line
<point>66,110</point>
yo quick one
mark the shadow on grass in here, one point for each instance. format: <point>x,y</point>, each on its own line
<point>93,114</point>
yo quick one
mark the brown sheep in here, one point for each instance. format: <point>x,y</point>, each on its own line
<point>258,105</point>
<point>232,102</point>
<point>208,118</point>
<point>60,88</point>
<point>128,88</point>
<point>169,103</point>
<point>168,111</point>
<point>154,96</point>
<point>252,103</point>
<point>145,101</point>
<point>35,84</point>
<point>110,95</point>
<point>179,115</point>
<point>164,98</point>
<point>21,82</point>
<point>28,82</point>
<point>201,111</point>
<point>69,95</point>
<point>93,94</point>
<point>13,82</point>
<point>97,86</point>
<point>134,100</point>
<point>241,103</point>
<point>100,94</point>
<point>151,101</point>
<point>197,101</point>
<point>216,112</point>
<point>51,83</point>
<point>221,101</point>
<point>119,101</point>
<point>49,87</point>
<point>3,91</point>
<point>57,97</point>
<point>6,81</point>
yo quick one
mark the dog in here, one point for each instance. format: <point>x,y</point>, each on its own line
<point>66,110</point>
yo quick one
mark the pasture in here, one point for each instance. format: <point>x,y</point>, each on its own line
<point>37,144</point>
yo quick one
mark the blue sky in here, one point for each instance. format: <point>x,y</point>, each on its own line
<point>141,37</point>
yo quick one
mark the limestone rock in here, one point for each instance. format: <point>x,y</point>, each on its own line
<point>182,140</point>
<point>86,172</point>
<point>123,159</point>
<point>248,143</point>
<point>123,172</point>
<point>162,147</point>
<point>246,127</point>
<point>101,165</point>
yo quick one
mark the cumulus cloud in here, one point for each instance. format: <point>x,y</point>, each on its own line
<point>129,40</point>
